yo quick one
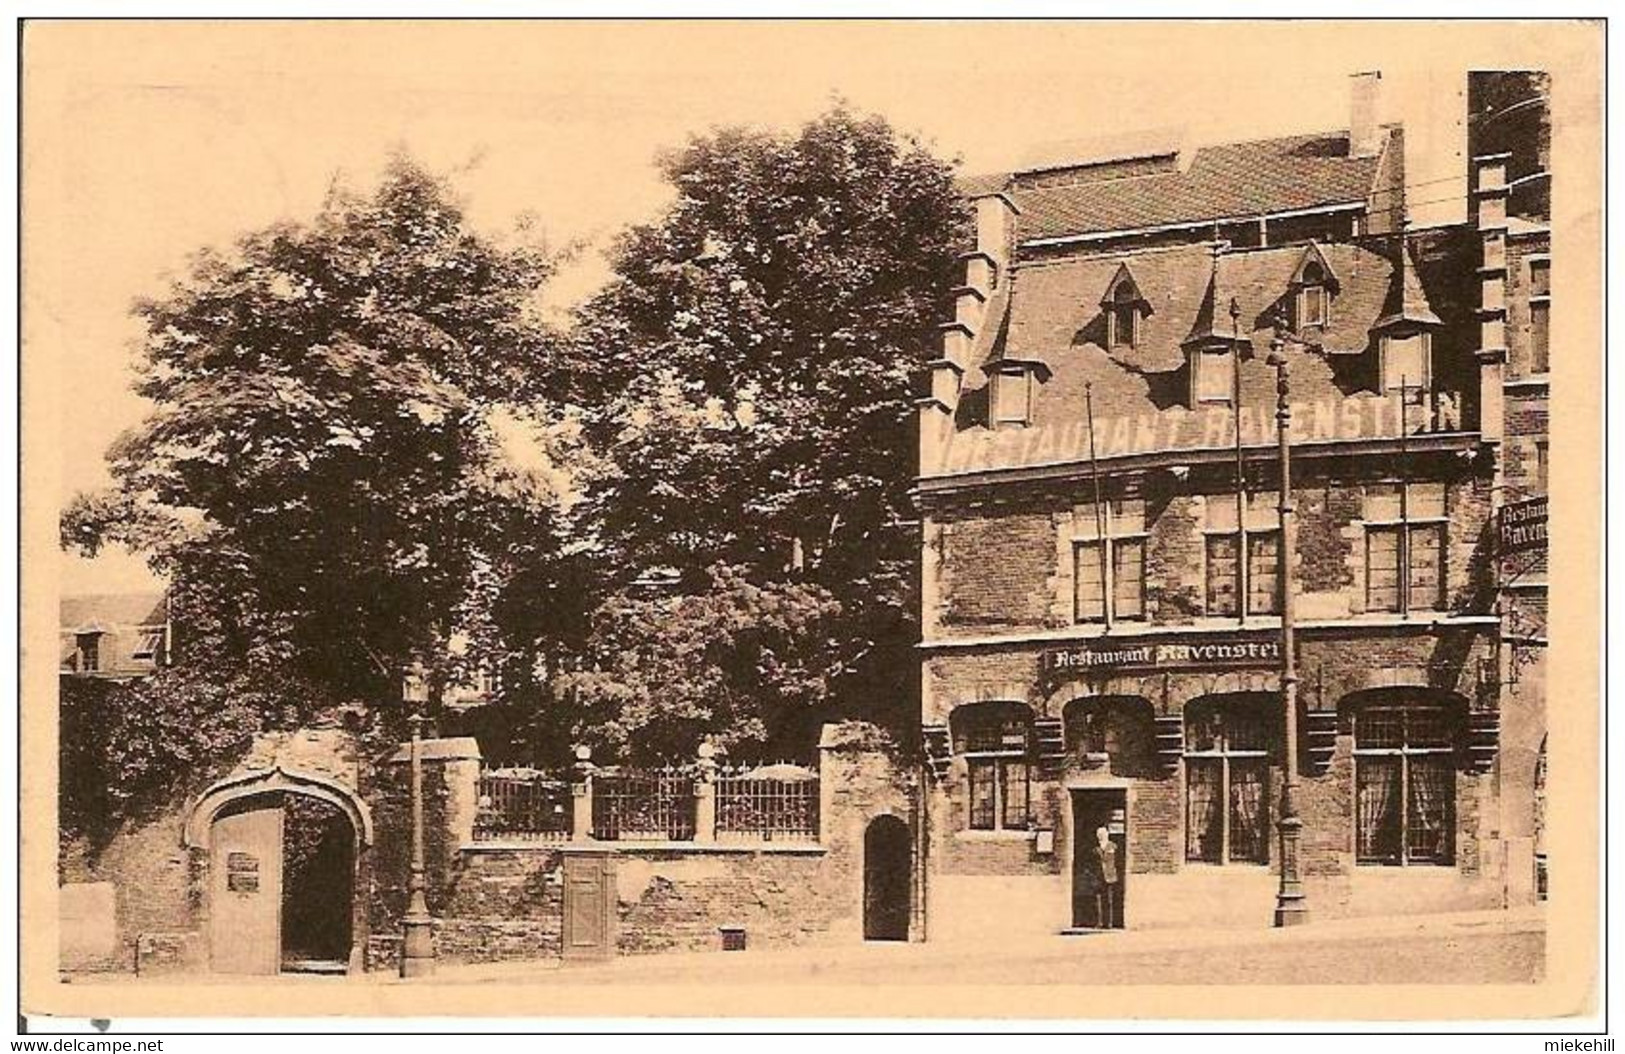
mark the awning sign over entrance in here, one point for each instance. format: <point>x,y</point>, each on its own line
<point>1161,655</point>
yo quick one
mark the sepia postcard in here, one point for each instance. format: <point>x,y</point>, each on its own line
<point>811,519</point>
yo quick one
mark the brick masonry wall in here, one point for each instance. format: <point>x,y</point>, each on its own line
<point>1334,671</point>
<point>151,873</point>
<point>996,569</point>
<point>678,900</point>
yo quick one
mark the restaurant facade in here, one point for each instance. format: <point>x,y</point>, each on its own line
<point>1099,486</point>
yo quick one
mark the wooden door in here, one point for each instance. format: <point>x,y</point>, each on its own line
<point>245,882</point>
<point>589,905</point>
<point>887,863</point>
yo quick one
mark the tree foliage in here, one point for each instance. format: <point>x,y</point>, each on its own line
<point>351,459</point>
<point>749,368</point>
<point>365,448</point>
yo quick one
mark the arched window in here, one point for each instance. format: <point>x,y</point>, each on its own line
<point>1404,783</point>
<point>1228,744</point>
<point>1123,317</point>
<point>1111,732</point>
<point>1312,299</point>
<point>995,739</point>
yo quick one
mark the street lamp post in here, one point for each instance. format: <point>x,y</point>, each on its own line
<point>1291,909</point>
<point>417,925</point>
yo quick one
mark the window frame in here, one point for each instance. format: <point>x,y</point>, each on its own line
<point>1312,290</point>
<point>1002,377</point>
<point>1123,307</point>
<point>1540,336</point>
<point>1140,538</point>
<point>87,652</point>
<point>1404,527</point>
<point>1001,760</point>
<point>1404,755</point>
<point>1203,359</point>
<point>1227,759</point>
<point>1389,386</point>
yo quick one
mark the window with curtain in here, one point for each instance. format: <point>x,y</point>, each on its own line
<point>996,744</point>
<point>1227,765</point>
<point>1110,569</point>
<point>1404,784</point>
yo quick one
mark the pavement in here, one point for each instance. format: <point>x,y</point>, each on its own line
<point>1478,947</point>
<point>1464,947</point>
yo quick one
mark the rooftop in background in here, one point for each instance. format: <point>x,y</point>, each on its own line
<point>1140,184</point>
<point>113,609</point>
<point>116,635</point>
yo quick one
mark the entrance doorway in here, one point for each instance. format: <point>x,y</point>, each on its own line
<point>1099,858</point>
<point>887,860</point>
<point>318,874</point>
<point>282,885</point>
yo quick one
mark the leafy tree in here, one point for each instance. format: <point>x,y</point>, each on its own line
<point>353,459</point>
<point>741,664</point>
<point>750,367</point>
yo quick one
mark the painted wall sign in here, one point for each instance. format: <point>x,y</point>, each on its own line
<point>1523,525</point>
<point>1116,656</point>
<point>1209,428</point>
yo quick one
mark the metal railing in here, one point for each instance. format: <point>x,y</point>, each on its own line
<point>657,805</point>
<point>767,803</point>
<point>522,804</point>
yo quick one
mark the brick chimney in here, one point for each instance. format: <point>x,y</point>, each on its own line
<point>1365,138</point>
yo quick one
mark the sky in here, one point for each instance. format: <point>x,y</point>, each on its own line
<point>146,141</point>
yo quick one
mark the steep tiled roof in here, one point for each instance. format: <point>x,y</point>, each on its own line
<point>1055,317</point>
<point>1235,179</point>
<point>111,609</point>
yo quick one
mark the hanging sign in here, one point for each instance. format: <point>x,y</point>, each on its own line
<point>1522,525</point>
<point>1116,656</point>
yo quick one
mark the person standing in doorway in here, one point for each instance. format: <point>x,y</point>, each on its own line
<point>1108,879</point>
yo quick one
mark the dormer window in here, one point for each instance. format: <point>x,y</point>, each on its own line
<point>1213,378</point>
<point>89,647</point>
<point>1312,299</point>
<point>1313,284</point>
<point>1407,362</point>
<point>1123,307</point>
<point>1012,397</point>
<point>1124,320</point>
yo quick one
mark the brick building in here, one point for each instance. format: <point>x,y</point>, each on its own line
<point>1098,487</point>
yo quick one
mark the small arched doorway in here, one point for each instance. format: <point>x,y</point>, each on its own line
<point>283,855</point>
<point>886,872</point>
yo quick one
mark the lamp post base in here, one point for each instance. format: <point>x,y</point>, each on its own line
<point>417,947</point>
<point>1291,910</point>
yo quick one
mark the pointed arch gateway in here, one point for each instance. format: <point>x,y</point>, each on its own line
<point>282,871</point>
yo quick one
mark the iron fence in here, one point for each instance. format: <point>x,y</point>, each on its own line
<point>522,804</point>
<point>647,806</point>
<point>769,803</point>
